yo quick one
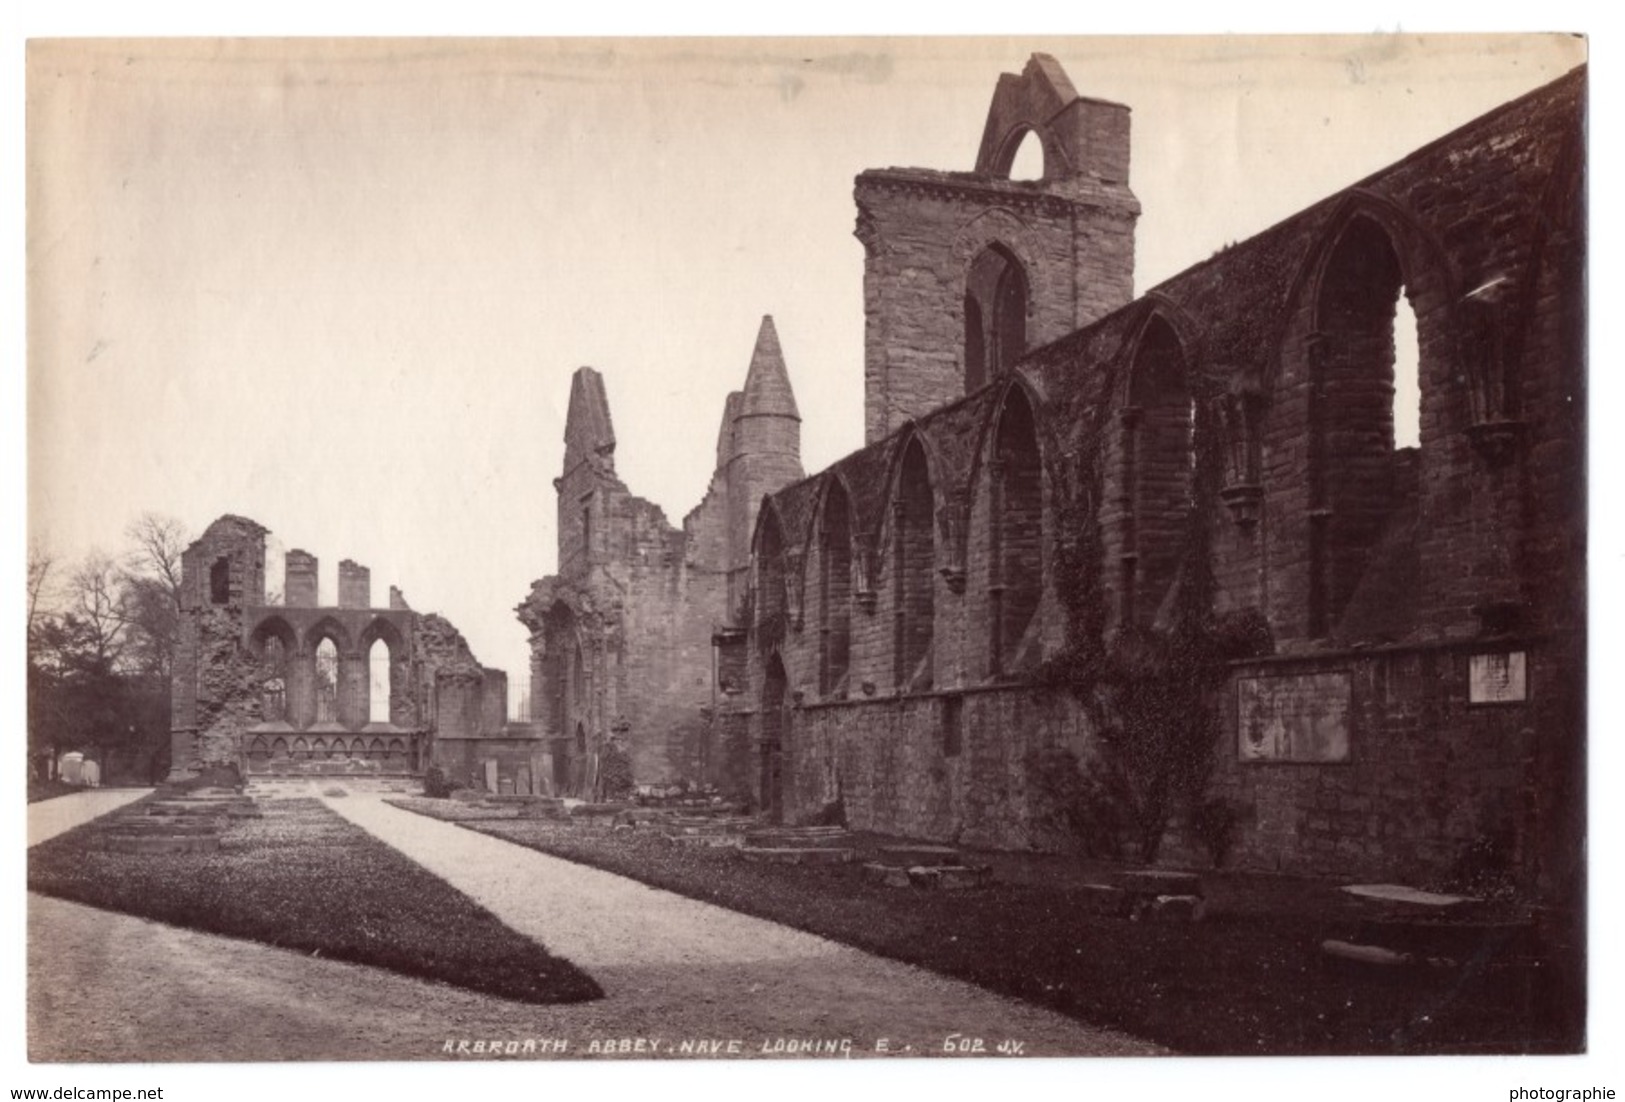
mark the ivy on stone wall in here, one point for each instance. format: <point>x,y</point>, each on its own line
<point>1151,694</point>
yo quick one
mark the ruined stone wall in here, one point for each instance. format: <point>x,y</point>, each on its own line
<point>957,767</point>
<point>247,673</point>
<point>1433,787</point>
<point>215,688</point>
<point>923,230</point>
<point>1391,570</point>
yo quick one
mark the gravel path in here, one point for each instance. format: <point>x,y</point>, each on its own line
<point>107,987</point>
<point>678,969</point>
<point>48,818</point>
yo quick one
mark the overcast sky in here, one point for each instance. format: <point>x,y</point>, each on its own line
<point>341,289</point>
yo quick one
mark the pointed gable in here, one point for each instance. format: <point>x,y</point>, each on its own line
<point>767,384</point>
<point>587,428</point>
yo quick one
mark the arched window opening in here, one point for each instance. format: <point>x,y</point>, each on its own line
<point>378,682</point>
<point>1363,413</point>
<point>1015,535</point>
<point>913,554</point>
<point>1157,465</point>
<point>560,651</point>
<point>220,581</point>
<point>274,689</point>
<point>772,598</point>
<point>835,591</point>
<point>995,316</point>
<point>327,682</point>
<point>1028,162</point>
<point>1407,377</point>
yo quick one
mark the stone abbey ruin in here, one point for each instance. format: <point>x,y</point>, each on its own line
<point>1143,575</point>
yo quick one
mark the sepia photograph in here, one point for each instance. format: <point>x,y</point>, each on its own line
<point>724,549</point>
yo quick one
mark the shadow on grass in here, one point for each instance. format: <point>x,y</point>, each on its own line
<point>302,878</point>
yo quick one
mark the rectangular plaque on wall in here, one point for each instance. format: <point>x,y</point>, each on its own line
<point>1497,678</point>
<point>1295,718</point>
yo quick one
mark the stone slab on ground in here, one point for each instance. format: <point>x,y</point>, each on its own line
<point>1407,896</point>
<point>893,876</point>
<point>1155,882</point>
<point>1372,955</point>
<point>950,878</point>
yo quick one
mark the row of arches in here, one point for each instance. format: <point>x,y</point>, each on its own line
<point>893,564</point>
<point>318,677</point>
<point>1362,415</point>
<point>1356,297</point>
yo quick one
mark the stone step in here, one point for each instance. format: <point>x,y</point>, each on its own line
<point>146,827</point>
<point>950,878</point>
<point>708,826</point>
<point>792,839</point>
<point>929,877</point>
<point>177,809</point>
<point>921,855</point>
<point>806,855</point>
<point>161,843</point>
<point>706,841</point>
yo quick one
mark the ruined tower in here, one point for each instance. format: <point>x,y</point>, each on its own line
<point>589,461</point>
<point>765,441</point>
<point>621,636</point>
<point>966,271</point>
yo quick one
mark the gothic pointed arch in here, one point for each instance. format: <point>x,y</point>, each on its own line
<point>911,565</point>
<point>771,606</point>
<point>1011,484</point>
<point>996,308</point>
<point>1155,464</point>
<point>384,650</point>
<point>835,536</point>
<point>1372,278</point>
<point>274,642</point>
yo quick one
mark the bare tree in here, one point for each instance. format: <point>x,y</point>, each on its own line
<point>40,564</point>
<point>96,599</point>
<point>158,542</point>
<point>151,590</point>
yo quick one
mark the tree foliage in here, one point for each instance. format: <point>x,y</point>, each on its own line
<point>100,643</point>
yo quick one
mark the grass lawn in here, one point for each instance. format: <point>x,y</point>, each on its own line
<point>1249,979</point>
<point>302,878</point>
<point>50,790</point>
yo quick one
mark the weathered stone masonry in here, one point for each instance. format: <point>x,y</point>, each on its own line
<point>622,637</point>
<point>1417,706</point>
<point>289,689</point>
